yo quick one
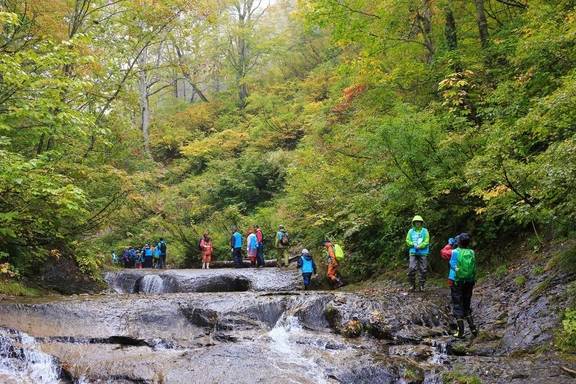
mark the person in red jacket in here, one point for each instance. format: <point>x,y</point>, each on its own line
<point>207,248</point>
<point>446,253</point>
<point>260,249</point>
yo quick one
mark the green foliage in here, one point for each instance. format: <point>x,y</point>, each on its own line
<point>501,271</point>
<point>344,121</point>
<point>520,280</point>
<point>16,288</point>
<point>565,260</point>
<point>566,337</point>
<point>459,378</point>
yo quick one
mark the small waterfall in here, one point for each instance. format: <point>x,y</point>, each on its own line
<point>22,361</point>
<point>292,351</point>
<point>151,284</point>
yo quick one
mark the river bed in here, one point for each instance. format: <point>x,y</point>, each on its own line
<point>228,326</point>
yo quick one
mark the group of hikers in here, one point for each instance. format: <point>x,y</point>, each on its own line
<point>461,276</point>
<point>255,246</point>
<point>151,255</point>
<point>457,252</point>
<point>255,251</point>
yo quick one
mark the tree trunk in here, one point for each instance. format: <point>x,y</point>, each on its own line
<point>425,23</point>
<point>450,30</point>
<point>482,22</point>
<point>241,71</point>
<point>144,103</point>
<point>40,146</point>
<point>245,262</point>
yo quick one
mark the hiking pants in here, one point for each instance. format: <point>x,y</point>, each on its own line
<point>237,256</point>
<point>147,262</point>
<point>461,293</point>
<point>332,272</point>
<point>282,258</point>
<point>207,257</point>
<point>260,255</point>
<point>162,261</point>
<point>306,276</point>
<point>417,263</point>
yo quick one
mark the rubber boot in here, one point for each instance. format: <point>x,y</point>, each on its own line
<point>460,332</point>
<point>473,328</point>
<point>338,283</point>
<point>412,284</point>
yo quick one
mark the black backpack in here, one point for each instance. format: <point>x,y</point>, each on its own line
<point>163,247</point>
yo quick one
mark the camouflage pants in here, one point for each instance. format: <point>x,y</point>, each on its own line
<point>418,263</point>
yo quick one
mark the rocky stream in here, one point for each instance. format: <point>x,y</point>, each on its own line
<point>258,326</point>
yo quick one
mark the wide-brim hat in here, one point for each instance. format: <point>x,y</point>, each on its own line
<point>417,218</point>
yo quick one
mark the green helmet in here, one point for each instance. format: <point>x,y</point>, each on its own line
<point>417,218</point>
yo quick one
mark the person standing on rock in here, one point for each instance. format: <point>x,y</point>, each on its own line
<point>206,247</point>
<point>162,247</point>
<point>281,243</point>
<point>332,272</point>
<point>156,255</point>
<point>148,256</point>
<point>252,246</point>
<point>418,241</point>
<point>260,250</point>
<point>307,267</point>
<point>463,275</point>
<point>236,246</point>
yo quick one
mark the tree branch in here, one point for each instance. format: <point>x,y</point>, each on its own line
<point>360,12</point>
<point>513,3</point>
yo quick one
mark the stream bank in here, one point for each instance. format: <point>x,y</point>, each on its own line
<point>256,326</point>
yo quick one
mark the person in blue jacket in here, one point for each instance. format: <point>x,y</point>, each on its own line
<point>148,255</point>
<point>462,277</point>
<point>418,242</point>
<point>307,266</point>
<point>236,247</point>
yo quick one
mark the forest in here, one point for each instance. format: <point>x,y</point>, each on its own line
<point>122,121</point>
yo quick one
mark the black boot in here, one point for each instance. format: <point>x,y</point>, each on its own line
<point>473,328</point>
<point>460,332</point>
<point>412,283</point>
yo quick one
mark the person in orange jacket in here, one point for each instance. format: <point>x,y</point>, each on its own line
<point>332,272</point>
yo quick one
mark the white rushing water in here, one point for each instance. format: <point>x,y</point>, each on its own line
<point>283,336</point>
<point>152,284</point>
<point>22,362</point>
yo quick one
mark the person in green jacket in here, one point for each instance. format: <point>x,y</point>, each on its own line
<point>281,243</point>
<point>418,242</point>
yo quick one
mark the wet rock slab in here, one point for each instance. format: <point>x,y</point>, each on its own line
<point>198,280</point>
<point>256,329</point>
<point>228,337</point>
